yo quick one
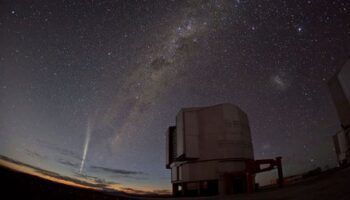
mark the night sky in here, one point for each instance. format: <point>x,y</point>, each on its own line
<point>108,77</point>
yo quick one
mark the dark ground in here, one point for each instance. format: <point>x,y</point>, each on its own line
<point>17,185</point>
<point>332,185</point>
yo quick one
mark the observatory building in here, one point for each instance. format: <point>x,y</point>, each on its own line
<point>210,152</point>
<point>339,86</point>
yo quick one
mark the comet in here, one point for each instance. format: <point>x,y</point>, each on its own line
<point>86,146</point>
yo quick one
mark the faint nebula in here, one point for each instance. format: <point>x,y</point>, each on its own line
<point>279,83</point>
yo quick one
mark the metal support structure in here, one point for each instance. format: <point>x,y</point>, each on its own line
<point>255,166</point>
<point>252,168</point>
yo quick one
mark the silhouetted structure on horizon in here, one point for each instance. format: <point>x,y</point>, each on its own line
<point>210,152</point>
<point>339,86</point>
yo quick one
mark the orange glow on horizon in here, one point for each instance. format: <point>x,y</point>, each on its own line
<point>132,190</point>
<point>31,171</point>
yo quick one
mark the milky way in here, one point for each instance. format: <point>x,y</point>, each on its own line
<point>91,86</point>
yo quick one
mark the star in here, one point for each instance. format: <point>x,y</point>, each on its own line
<point>300,29</point>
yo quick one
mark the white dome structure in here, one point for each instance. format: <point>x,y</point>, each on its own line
<point>208,151</point>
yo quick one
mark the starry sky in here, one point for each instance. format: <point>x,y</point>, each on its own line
<point>89,87</point>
